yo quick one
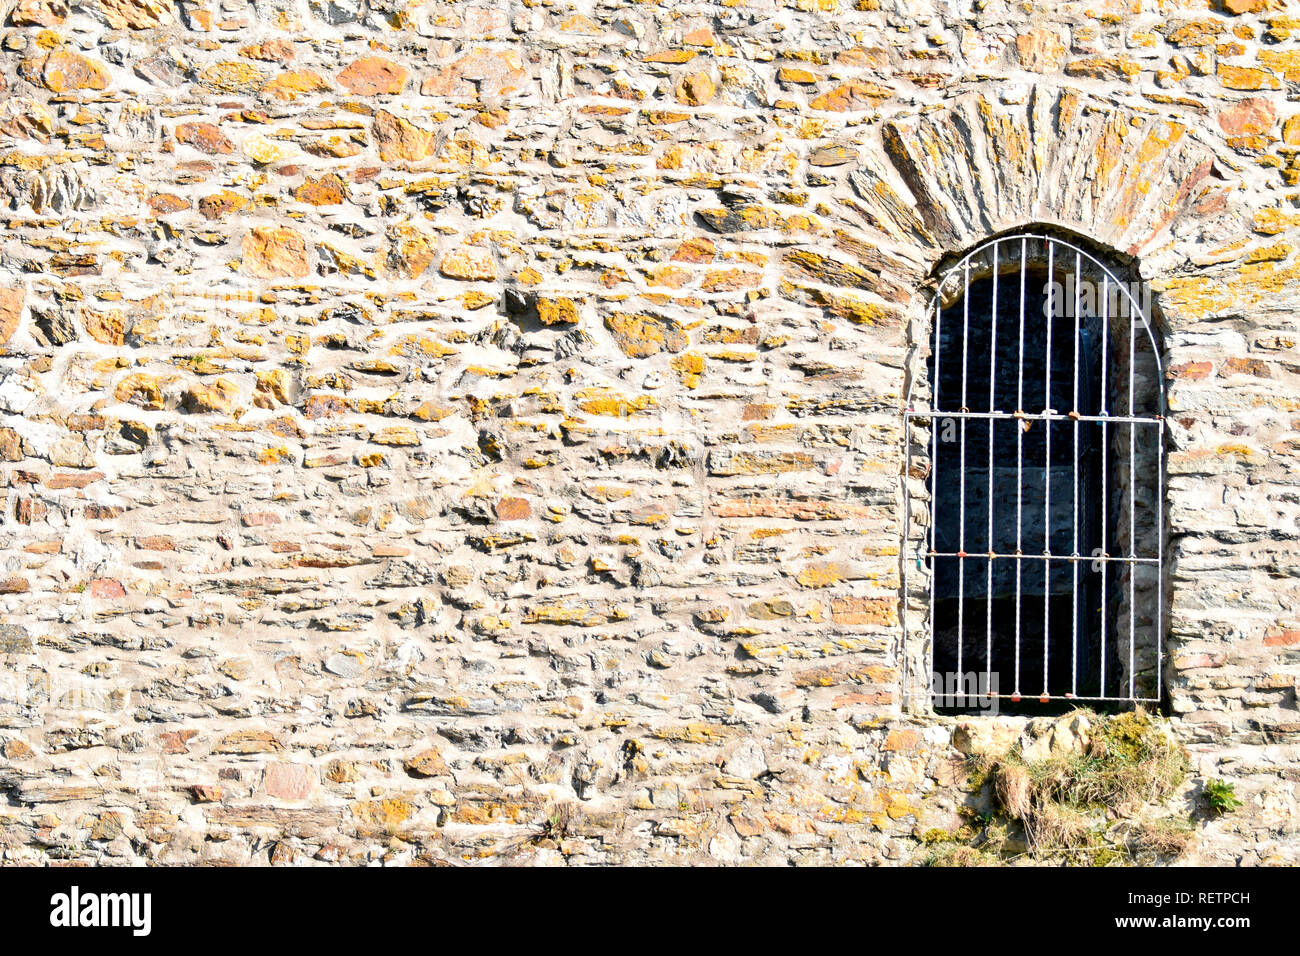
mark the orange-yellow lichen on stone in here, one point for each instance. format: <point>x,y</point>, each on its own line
<point>409,251</point>
<point>398,139</point>
<point>1291,130</point>
<point>1196,33</point>
<point>469,263</point>
<point>205,137</point>
<point>666,117</point>
<point>423,346</point>
<point>137,14</point>
<point>880,612</point>
<point>607,493</point>
<point>63,71</point>
<point>490,812</point>
<point>1041,51</point>
<point>1250,116</point>
<point>1272,220</point>
<point>640,335</point>
<point>797,75</point>
<point>1162,136</point>
<point>746,463</point>
<point>689,366</point>
<point>1285,62</point>
<point>581,615</point>
<point>856,310</point>
<point>22,117</point>
<point>852,96</point>
<point>328,190</point>
<point>670,56</point>
<point>695,89</point>
<point>1147,168</point>
<point>1015,143</point>
<point>166,204</point>
<point>275,252</point>
<point>728,355</point>
<point>824,269</point>
<point>387,814</point>
<point>221,203</point>
<point>272,388</point>
<point>273,456</point>
<point>676,156</point>
<point>270,51</point>
<point>1108,153</point>
<point>734,234</point>
<point>232,76</point>
<point>581,24</point>
<point>730,280</point>
<point>669,277</point>
<point>820,575</point>
<point>107,326</point>
<point>1247,78</point>
<point>695,733</point>
<point>140,389</point>
<point>1274,253</point>
<point>287,86</point>
<point>218,396</point>
<point>396,436</point>
<point>557,311</point>
<point>603,401</point>
<point>1200,297</point>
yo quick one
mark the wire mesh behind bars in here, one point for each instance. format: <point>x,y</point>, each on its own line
<point>1035,471</point>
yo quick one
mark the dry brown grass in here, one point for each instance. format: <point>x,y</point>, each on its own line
<point>1168,837</point>
<point>1066,803</point>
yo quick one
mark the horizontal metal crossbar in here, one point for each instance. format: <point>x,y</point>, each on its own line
<point>1042,698</point>
<point>1114,559</point>
<point>1103,418</point>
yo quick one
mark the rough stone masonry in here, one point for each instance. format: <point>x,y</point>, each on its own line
<point>454,432</point>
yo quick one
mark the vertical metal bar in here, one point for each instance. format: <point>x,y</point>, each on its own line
<point>1074,469</point>
<point>1020,453</point>
<point>1160,542</point>
<point>934,465</point>
<point>961,521</point>
<point>904,687</point>
<point>905,691</point>
<point>988,579</point>
<point>1132,503</point>
<point>1105,469</point>
<point>1047,463</point>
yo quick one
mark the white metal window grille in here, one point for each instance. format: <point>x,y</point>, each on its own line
<point>1035,471</point>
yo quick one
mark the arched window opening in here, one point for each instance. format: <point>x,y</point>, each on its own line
<point>1036,428</point>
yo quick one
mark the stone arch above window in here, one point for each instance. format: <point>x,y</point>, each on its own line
<point>1152,185</point>
<point>1130,178</point>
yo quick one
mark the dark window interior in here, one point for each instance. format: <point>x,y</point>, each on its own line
<point>1053,605</point>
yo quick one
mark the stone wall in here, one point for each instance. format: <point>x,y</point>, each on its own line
<point>471,431</point>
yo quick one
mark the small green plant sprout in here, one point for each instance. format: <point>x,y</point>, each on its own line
<point>1222,796</point>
